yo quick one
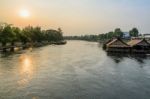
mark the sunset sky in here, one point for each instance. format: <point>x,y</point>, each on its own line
<point>77,17</point>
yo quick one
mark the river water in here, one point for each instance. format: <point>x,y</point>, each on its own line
<point>77,70</point>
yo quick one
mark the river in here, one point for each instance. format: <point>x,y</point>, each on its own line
<point>77,70</point>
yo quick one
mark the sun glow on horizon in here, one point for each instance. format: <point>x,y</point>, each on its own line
<point>24,13</point>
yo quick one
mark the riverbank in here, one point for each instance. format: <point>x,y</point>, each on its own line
<point>10,48</point>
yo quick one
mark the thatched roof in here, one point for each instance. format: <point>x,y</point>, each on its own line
<point>135,42</point>
<point>117,43</point>
<point>108,41</point>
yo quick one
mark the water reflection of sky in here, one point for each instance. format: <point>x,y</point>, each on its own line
<point>76,70</point>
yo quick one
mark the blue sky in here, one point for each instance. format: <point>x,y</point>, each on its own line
<point>78,17</point>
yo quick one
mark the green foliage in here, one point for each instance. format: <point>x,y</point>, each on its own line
<point>118,32</point>
<point>6,34</point>
<point>17,33</point>
<point>105,36</point>
<point>85,37</point>
<point>102,37</point>
<point>54,35</point>
<point>134,32</point>
<point>10,34</point>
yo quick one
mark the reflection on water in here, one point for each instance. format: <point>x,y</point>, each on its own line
<point>26,69</point>
<point>117,57</point>
<point>77,70</point>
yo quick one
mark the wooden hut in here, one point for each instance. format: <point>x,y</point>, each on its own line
<point>117,45</point>
<point>139,46</point>
<point>105,44</point>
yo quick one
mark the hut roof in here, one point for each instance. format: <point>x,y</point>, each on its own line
<point>138,42</point>
<point>117,43</point>
<point>108,41</point>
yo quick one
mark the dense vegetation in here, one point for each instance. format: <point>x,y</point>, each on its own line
<point>29,34</point>
<point>102,37</point>
<point>83,37</point>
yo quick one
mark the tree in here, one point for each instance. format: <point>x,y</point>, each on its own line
<point>60,33</point>
<point>118,32</point>
<point>1,30</point>
<point>110,35</point>
<point>9,34</point>
<point>6,34</point>
<point>18,33</point>
<point>134,32</point>
<point>37,35</point>
<point>27,34</point>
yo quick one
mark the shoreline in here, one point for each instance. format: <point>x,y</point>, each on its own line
<point>29,45</point>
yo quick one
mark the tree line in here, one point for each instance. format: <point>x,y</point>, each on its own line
<point>118,33</point>
<point>29,34</point>
<point>105,36</point>
<point>83,37</point>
